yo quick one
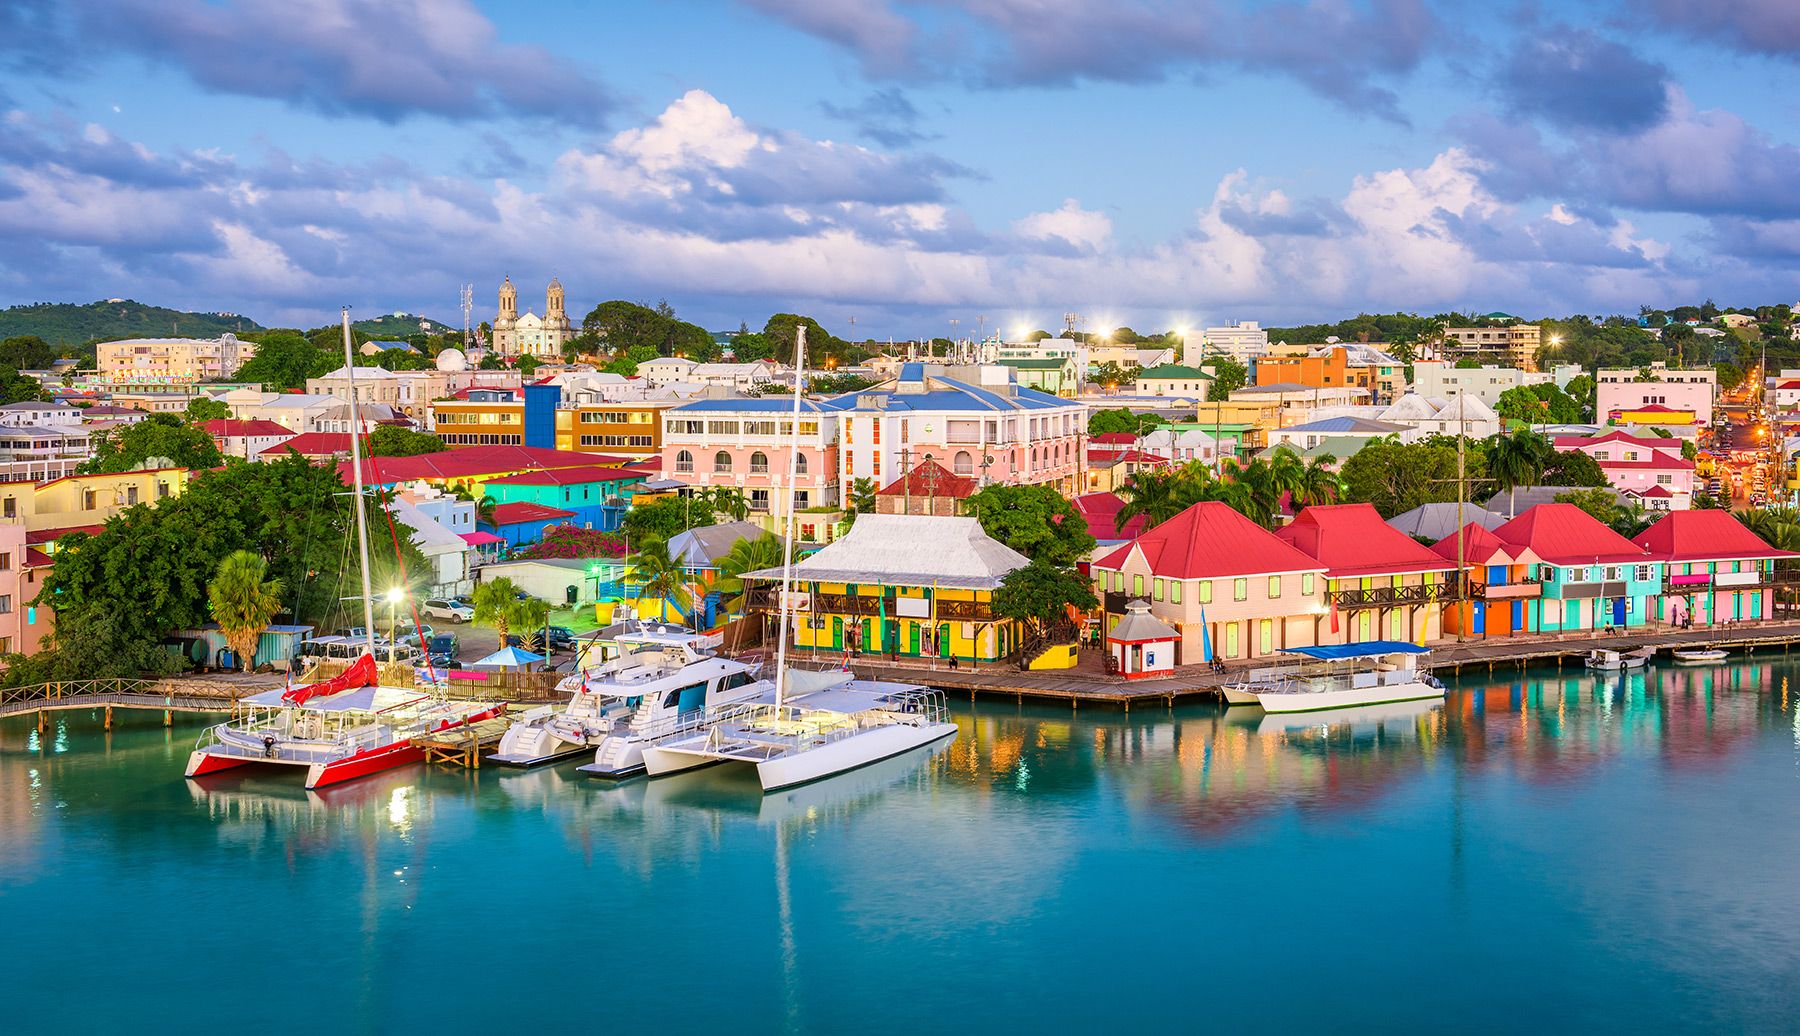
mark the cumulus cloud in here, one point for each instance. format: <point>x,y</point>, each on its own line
<point>346,57</point>
<point>1341,49</point>
<point>734,220</point>
<point>1572,77</point>
<point>886,117</point>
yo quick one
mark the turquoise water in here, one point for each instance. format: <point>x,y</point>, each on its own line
<point>1549,852</point>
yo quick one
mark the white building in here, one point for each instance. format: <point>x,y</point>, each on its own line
<point>295,411</point>
<point>1438,379</point>
<point>738,377</point>
<point>531,335</point>
<point>1243,341</point>
<point>171,361</point>
<point>1180,447</point>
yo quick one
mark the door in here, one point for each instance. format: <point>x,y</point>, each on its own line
<point>1737,605</point>
<point>837,633</point>
<point>1265,635</point>
<point>1364,625</point>
<point>912,639</point>
<point>1231,640</point>
<point>1518,616</point>
<point>943,642</point>
<point>1480,623</point>
<point>1619,612</point>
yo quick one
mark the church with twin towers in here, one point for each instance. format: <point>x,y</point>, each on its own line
<point>531,335</point>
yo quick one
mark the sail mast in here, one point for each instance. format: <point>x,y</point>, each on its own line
<point>787,539</point>
<point>356,472</point>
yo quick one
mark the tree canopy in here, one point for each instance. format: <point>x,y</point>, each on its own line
<point>394,441</point>
<point>1036,521</point>
<point>1227,376</point>
<point>665,518</point>
<point>627,326</point>
<point>1122,419</point>
<point>285,359</point>
<point>162,436</point>
<point>1041,593</point>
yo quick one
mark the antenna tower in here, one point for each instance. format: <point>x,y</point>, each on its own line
<point>468,306</point>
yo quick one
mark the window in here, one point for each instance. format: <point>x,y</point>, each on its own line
<point>1175,591</point>
<point>799,463</point>
<point>802,500</point>
<point>9,508</point>
<point>1137,585</point>
<point>88,499</point>
<point>1159,588</point>
<point>31,615</point>
<point>5,604</point>
<point>1612,573</point>
<point>1665,480</point>
<point>162,490</point>
<point>1205,590</point>
<point>5,562</point>
<point>759,463</point>
<point>684,463</point>
<point>759,500</point>
<point>964,464</point>
<point>1306,584</point>
<point>1643,573</point>
<point>722,462</point>
<point>1240,589</point>
<point>1274,587</point>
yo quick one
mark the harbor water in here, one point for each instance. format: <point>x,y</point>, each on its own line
<point>1542,851</point>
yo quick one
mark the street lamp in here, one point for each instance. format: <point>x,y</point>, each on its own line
<point>394,596</point>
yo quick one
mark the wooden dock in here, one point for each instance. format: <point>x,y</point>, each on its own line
<point>465,745</point>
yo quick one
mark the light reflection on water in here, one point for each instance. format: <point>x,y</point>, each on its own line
<point>1623,838</point>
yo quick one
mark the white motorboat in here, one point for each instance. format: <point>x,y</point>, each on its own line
<point>1356,719</point>
<point>1245,690</point>
<point>806,726</point>
<point>1700,656</point>
<point>663,680</point>
<point>1345,675</point>
<point>1605,660</point>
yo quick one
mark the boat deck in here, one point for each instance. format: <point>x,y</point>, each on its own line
<point>464,745</point>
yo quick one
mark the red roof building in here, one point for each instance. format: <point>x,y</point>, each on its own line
<point>1617,445</point>
<point>1101,512</point>
<point>929,488</point>
<point>474,464</point>
<point>519,513</point>
<point>242,429</point>
<point>1211,540</point>
<point>567,476</point>
<point>1563,534</point>
<point>312,446</point>
<point>1696,536</point>
<point>1352,542</point>
<point>1717,570</point>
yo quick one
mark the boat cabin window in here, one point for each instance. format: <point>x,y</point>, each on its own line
<point>733,681</point>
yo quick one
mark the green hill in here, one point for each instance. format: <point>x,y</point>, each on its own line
<point>396,326</point>
<point>66,324</point>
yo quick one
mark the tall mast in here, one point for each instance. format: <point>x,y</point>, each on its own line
<point>787,538</point>
<point>356,472</point>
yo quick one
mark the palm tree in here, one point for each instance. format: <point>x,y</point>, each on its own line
<point>1318,483</point>
<point>1262,494</point>
<point>497,605</point>
<point>660,576</point>
<point>746,555</point>
<point>1517,460</point>
<point>530,615</point>
<point>1286,472</point>
<point>862,496</point>
<point>243,602</point>
<point>1149,492</point>
<point>484,511</point>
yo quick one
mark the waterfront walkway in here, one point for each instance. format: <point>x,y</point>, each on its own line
<point>1089,683</point>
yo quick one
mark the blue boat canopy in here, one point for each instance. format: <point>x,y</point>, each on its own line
<point>1339,652</point>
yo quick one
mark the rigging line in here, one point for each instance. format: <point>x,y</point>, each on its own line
<point>385,498</point>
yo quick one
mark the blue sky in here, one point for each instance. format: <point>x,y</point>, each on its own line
<point>1144,162</point>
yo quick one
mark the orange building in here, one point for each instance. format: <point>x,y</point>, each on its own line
<point>1328,369</point>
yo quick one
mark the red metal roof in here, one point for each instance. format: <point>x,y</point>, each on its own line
<point>1478,546</point>
<point>1101,511</point>
<point>1576,442</point>
<point>1105,456</point>
<point>1709,535</point>
<point>1655,462</point>
<point>312,444</point>
<point>475,462</point>
<point>567,476</point>
<point>244,429</point>
<point>1563,534</point>
<point>1351,540</point>
<point>1652,408</point>
<point>927,480</point>
<point>1657,492</point>
<point>35,558</point>
<point>513,514</point>
<point>52,535</point>
<point>1114,439</point>
<point>1210,540</point>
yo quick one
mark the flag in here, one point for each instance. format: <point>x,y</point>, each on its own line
<point>1334,615</point>
<point>1206,652</point>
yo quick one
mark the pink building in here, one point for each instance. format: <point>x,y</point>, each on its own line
<point>1717,570</point>
<point>975,420</point>
<point>1650,470</point>
<point>743,444</point>
<point>23,626</point>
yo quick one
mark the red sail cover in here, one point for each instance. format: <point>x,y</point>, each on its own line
<point>360,674</point>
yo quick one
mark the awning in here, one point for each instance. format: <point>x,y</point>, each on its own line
<point>480,539</point>
<point>1339,652</point>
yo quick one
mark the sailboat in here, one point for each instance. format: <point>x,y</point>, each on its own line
<point>350,725</point>
<point>804,726</point>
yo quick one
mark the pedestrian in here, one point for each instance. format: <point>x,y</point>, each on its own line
<point>952,663</point>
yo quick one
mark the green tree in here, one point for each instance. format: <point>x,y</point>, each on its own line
<point>26,353</point>
<point>659,575</point>
<point>1227,376</point>
<point>1396,477</point>
<point>496,604</point>
<point>627,365</point>
<point>163,436</point>
<point>667,517</point>
<point>1113,375</point>
<point>1601,503</point>
<point>1572,468</point>
<point>1317,483</point>
<point>746,555</point>
<point>204,408</point>
<point>243,602</point>
<point>1122,419</point>
<point>861,497</point>
<point>531,615</point>
<point>728,502</point>
<point>285,359</point>
<point>781,330</point>
<point>1041,593</point>
<point>1037,521</point>
<point>394,441</point>
<point>1518,460</point>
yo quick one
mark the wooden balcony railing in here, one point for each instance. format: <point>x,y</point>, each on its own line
<point>1391,596</point>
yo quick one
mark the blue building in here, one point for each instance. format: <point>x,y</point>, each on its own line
<point>522,523</point>
<point>595,497</point>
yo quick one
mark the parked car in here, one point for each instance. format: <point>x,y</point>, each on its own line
<point>414,638</point>
<point>443,647</point>
<point>561,638</point>
<point>448,609</point>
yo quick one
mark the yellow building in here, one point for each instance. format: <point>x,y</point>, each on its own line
<point>78,501</point>
<point>466,422</point>
<point>906,585</point>
<point>619,429</point>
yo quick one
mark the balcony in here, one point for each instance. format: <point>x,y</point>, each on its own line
<point>1391,596</point>
<point>1524,588</point>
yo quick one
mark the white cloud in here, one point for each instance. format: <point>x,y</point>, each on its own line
<point>1070,223</point>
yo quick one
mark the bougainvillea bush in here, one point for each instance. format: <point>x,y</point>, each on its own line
<point>569,541</point>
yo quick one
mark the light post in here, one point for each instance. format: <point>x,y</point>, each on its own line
<point>394,597</point>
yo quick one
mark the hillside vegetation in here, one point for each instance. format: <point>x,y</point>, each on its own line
<point>66,325</point>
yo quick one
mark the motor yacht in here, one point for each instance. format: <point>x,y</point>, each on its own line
<point>1344,675</point>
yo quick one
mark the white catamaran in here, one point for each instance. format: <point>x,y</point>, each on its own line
<point>348,726</point>
<point>662,677</point>
<point>805,726</point>
<point>1340,676</point>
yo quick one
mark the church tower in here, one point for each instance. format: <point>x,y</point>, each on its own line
<point>556,319</point>
<point>506,323</point>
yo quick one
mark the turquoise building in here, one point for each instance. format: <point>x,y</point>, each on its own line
<point>1588,576</point>
<point>597,496</point>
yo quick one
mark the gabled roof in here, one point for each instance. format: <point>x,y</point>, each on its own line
<point>313,444</point>
<point>567,476</point>
<point>1657,461</point>
<point>1347,426</point>
<point>703,546</point>
<point>1479,547</point>
<point>909,550</point>
<point>1436,520</point>
<point>1113,439</point>
<point>243,429</point>
<point>1577,442</point>
<point>1563,534</point>
<point>1653,408</point>
<point>1211,540</point>
<point>929,479</point>
<point>1101,512</point>
<point>52,535</point>
<point>1709,535</point>
<point>1351,540</point>
<point>513,514</point>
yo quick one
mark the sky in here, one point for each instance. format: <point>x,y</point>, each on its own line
<point>902,163</point>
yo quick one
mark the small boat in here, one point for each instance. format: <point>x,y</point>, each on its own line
<point>1700,656</point>
<point>1245,690</point>
<point>663,677</point>
<point>1347,675</point>
<point>1607,661</point>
